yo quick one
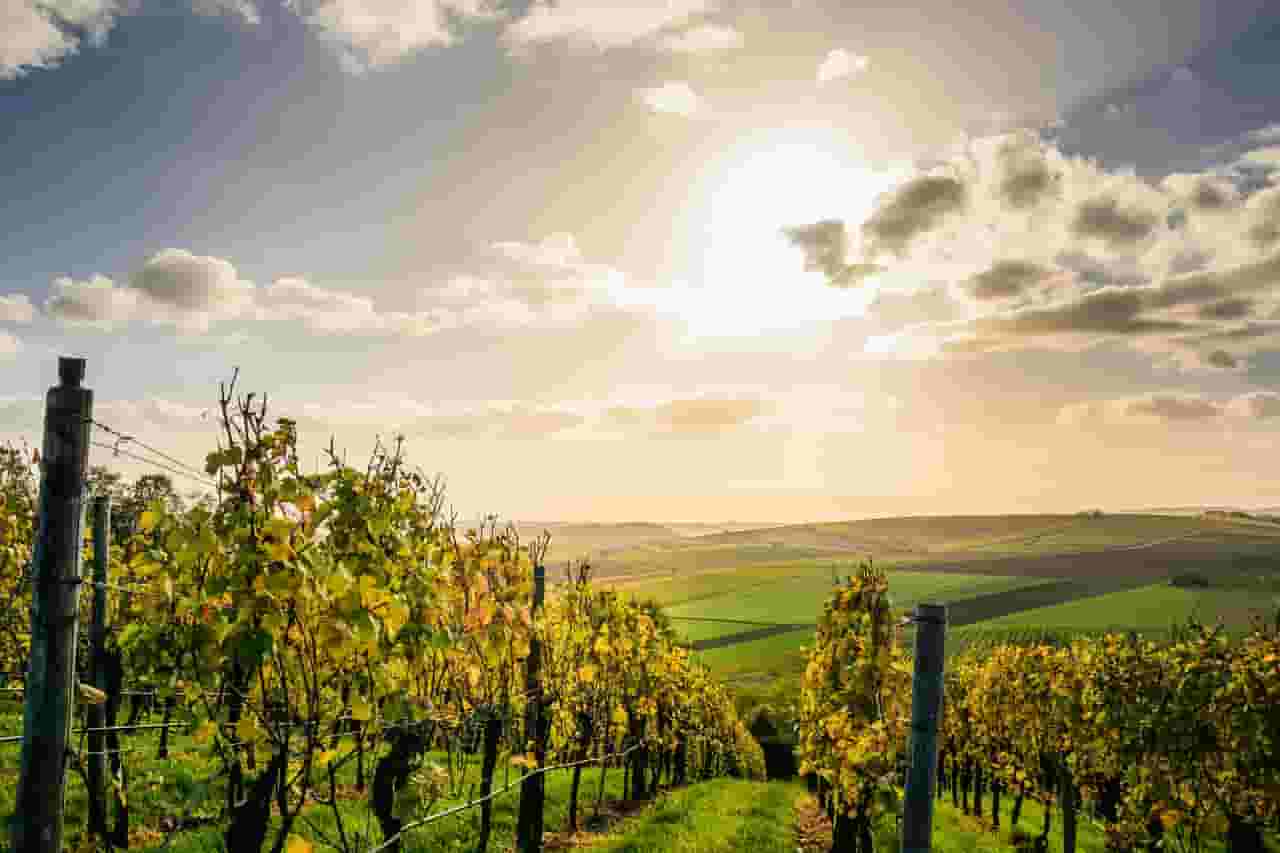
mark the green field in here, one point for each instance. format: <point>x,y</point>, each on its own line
<point>799,599</point>
<point>1156,607</point>
<point>1005,576</point>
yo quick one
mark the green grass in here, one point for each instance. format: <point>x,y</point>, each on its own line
<point>778,656</point>
<point>1151,608</point>
<point>720,816</point>
<point>799,600</point>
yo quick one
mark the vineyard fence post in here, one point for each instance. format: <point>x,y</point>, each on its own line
<point>533,789</point>
<point>36,824</point>
<point>926,703</point>
<point>97,662</point>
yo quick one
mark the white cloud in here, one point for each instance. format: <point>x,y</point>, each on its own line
<point>245,10</point>
<point>95,302</point>
<point>841,63</point>
<point>191,291</point>
<point>708,37</point>
<point>559,251</point>
<point>40,33</point>
<point>16,308</point>
<point>372,34</point>
<point>675,97</point>
<point>326,311</point>
<point>604,23</point>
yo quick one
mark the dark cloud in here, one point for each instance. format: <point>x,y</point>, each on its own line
<point>825,245</point>
<point>1206,287</point>
<point>1006,279</point>
<point>1093,271</point>
<point>1210,194</point>
<point>1173,407</point>
<point>1223,359</point>
<point>918,206</point>
<point>1025,176</point>
<point>1111,310</point>
<point>1227,309</point>
<point>1103,219</point>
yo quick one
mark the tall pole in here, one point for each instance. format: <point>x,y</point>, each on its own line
<point>533,789</point>
<point>926,703</point>
<point>97,662</point>
<point>36,825</point>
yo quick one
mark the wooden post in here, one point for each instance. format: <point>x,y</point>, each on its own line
<point>98,671</point>
<point>533,789</point>
<point>926,703</point>
<point>36,825</point>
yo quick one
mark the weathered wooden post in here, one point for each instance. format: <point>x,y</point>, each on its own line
<point>98,670</point>
<point>533,789</point>
<point>36,825</point>
<point>926,703</point>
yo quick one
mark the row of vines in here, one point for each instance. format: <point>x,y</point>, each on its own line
<point>311,628</point>
<point>1165,745</point>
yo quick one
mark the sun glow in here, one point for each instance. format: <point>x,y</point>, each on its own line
<point>749,278</point>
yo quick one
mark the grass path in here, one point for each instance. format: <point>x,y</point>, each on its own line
<point>721,816</point>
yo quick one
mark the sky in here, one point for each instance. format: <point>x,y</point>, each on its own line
<point>693,260</point>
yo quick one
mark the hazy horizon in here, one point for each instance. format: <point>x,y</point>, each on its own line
<point>707,260</point>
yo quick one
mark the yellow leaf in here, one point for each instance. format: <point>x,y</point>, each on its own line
<point>586,673</point>
<point>361,710</point>
<point>1169,819</point>
<point>205,731</point>
<point>147,521</point>
<point>278,550</point>
<point>298,844</point>
<point>246,729</point>
<point>92,695</point>
<point>473,675</point>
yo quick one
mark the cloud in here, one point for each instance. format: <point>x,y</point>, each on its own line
<point>703,39</point>
<point>191,291</point>
<point>1006,279</point>
<point>1025,176</point>
<point>1171,407</point>
<point>603,23</point>
<point>517,421</point>
<point>840,63</point>
<point>155,411</point>
<point>825,245</point>
<point>688,418</point>
<point>675,97</point>
<point>328,311</point>
<point>916,207</point>
<point>1160,407</point>
<point>1227,309</point>
<point>1103,219</point>
<point>373,34</point>
<point>38,34</point>
<point>246,10</point>
<point>95,302</point>
<point>1056,252</point>
<point>557,251</point>
<point>194,293</point>
<point>1221,359</point>
<point>16,308</point>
